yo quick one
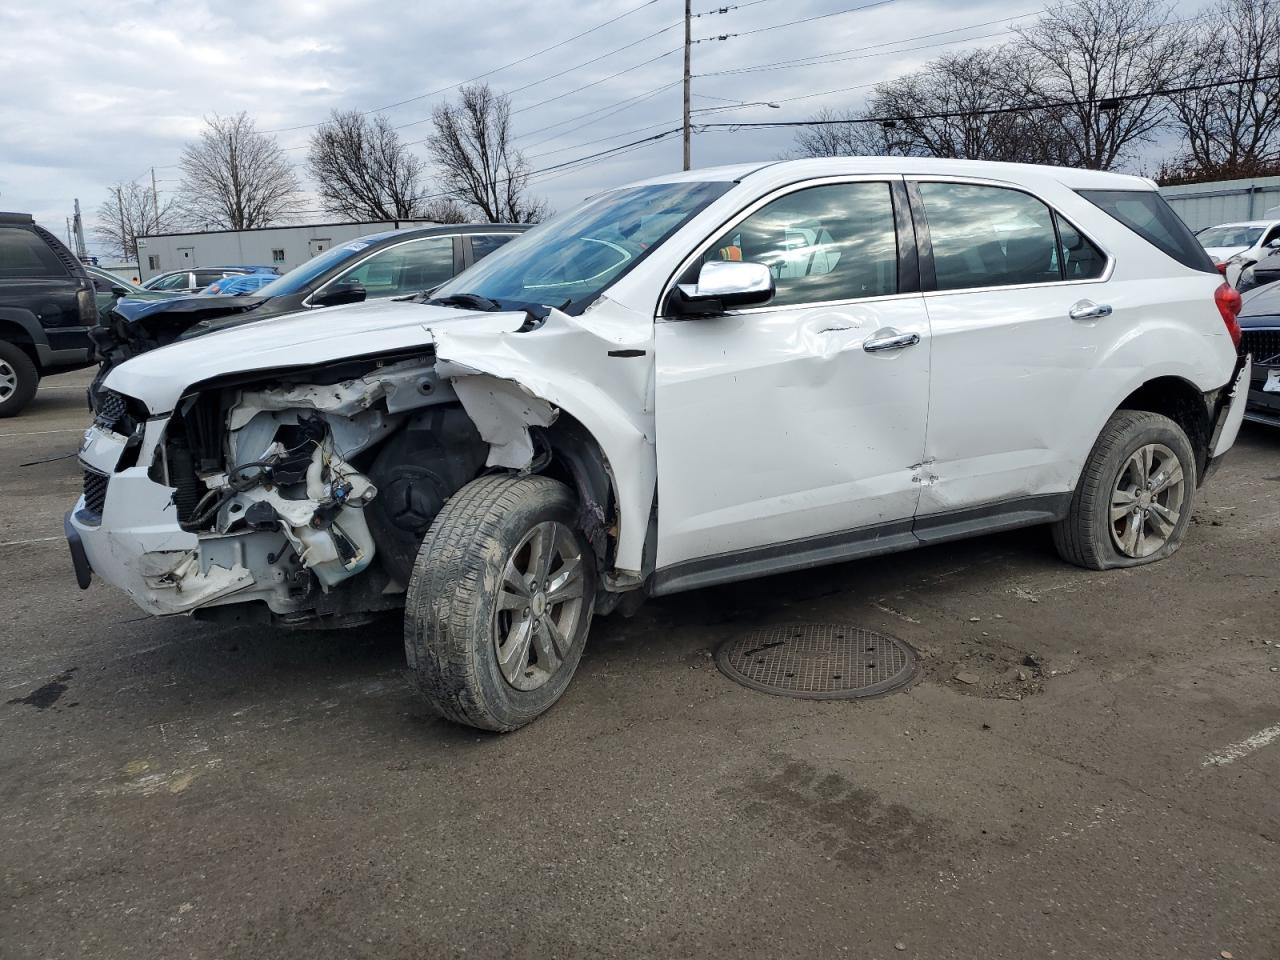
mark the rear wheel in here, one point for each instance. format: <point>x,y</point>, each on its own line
<point>500,602</point>
<point>1134,499</point>
<point>18,379</point>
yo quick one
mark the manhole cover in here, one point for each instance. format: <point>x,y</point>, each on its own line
<point>818,661</point>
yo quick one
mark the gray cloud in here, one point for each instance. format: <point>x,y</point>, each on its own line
<point>97,94</point>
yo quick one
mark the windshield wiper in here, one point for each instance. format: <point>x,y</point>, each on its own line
<point>469,301</point>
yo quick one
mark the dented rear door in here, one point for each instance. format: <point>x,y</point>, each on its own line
<point>804,418</point>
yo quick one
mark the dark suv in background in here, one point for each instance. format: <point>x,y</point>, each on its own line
<point>47,308</point>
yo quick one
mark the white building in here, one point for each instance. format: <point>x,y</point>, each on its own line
<point>281,247</point>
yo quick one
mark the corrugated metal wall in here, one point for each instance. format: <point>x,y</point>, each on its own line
<point>1227,201</point>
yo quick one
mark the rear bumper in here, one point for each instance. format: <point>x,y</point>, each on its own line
<point>1229,414</point>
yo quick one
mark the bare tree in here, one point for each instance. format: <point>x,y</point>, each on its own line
<point>363,171</point>
<point>1105,59</point>
<point>965,106</point>
<point>235,177</point>
<point>480,167</point>
<point>129,212</point>
<point>845,133</point>
<point>444,210</point>
<point>1232,131</point>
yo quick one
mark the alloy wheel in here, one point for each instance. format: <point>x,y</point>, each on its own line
<point>1147,500</point>
<point>540,605</point>
<point>8,381</point>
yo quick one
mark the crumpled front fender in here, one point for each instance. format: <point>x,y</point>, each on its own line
<point>598,368</point>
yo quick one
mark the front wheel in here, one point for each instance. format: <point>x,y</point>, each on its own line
<point>1133,502</point>
<point>500,602</point>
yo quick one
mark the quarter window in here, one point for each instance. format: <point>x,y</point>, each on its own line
<point>1081,260</point>
<point>835,242</point>
<point>408,268</point>
<point>989,236</point>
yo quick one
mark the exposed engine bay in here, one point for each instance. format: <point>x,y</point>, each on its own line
<point>322,479</point>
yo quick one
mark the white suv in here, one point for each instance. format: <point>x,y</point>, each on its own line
<point>700,378</point>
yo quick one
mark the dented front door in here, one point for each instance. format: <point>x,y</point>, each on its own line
<point>806,417</point>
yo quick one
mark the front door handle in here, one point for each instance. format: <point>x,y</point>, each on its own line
<point>1088,310</point>
<point>895,342</point>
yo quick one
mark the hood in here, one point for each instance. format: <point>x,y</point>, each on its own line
<point>184,309</point>
<point>160,377</point>
<point>1224,253</point>
<point>1261,307</point>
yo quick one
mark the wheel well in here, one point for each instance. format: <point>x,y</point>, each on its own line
<point>578,461</point>
<point>17,335</point>
<point>1184,404</point>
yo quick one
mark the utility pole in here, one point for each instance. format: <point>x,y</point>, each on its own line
<point>688,44</point>
<point>81,250</point>
<point>155,201</point>
<point>124,235</point>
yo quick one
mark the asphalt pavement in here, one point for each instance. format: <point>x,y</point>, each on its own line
<point>1106,786</point>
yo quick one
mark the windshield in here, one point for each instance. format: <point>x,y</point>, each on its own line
<point>301,277</point>
<point>1229,236</point>
<point>569,261</point>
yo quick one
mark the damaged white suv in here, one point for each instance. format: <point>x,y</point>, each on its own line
<point>701,378</point>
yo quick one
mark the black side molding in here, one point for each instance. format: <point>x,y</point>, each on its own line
<point>79,559</point>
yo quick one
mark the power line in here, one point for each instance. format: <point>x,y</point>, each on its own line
<point>553,76</point>
<point>792,23</point>
<point>1102,102</point>
<point>630,101</point>
<point>487,73</point>
<point>568,93</point>
<point>736,6</point>
<point>636,101</point>
<point>819,59</point>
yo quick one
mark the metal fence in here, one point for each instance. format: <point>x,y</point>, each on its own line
<point>1227,201</point>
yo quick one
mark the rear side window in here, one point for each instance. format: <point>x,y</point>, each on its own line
<point>1146,214</point>
<point>23,255</point>
<point>989,236</point>
<point>834,242</point>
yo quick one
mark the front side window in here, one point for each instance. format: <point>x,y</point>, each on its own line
<point>834,242</point>
<point>404,269</point>
<point>569,261</point>
<point>989,236</point>
<point>24,255</point>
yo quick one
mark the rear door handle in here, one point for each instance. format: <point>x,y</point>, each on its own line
<point>896,342</point>
<point>1088,310</point>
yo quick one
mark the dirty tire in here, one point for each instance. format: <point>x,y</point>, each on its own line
<point>18,379</point>
<point>450,608</point>
<point>1084,537</point>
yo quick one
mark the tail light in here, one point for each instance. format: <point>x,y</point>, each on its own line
<point>1222,266</point>
<point>1229,303</point>
<point>88,307</point>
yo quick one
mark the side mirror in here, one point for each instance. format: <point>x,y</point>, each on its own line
<point>119,292</point>
<point>1273,244</point>
<point>336,294</point>
<point>723,285</point>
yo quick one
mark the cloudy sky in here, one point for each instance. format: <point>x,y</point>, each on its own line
<point>95,94</point>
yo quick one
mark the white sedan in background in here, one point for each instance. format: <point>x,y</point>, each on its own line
<point>1234,246</point>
